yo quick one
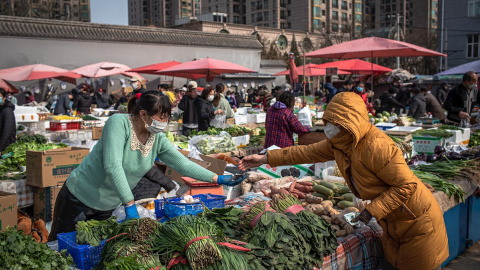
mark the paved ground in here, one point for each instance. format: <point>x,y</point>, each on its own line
<point>467,261</point>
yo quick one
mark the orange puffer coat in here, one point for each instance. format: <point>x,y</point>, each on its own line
<point>414,234</point>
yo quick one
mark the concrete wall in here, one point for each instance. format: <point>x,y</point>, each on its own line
<point>70,54</point>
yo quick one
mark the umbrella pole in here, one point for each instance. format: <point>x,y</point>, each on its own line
<point>371,86</point>
<point>304,76</point>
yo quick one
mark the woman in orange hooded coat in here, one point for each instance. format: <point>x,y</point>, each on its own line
<point>414,234</point>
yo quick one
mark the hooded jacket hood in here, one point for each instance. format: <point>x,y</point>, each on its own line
<point>279,105</point>
<point>348,110</point>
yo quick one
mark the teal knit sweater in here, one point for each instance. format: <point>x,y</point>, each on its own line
<point>105,178</point>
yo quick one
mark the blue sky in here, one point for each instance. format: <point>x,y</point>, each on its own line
<point>109,11</point>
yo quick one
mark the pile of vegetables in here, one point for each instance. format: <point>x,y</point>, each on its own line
<point>226,218</point>
<point>234,131</point>
<point>474,138</point>
<point>403,145</point>
<point>92,232</point>
<point>440,133</point>
<point>18,251</point>
<point>216,145</point>
<point>441,185</point>
<point>87,117</point>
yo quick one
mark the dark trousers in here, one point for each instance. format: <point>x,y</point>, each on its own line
<point>69,210</point>
<point>186,131</point>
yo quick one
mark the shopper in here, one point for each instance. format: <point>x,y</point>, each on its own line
<point>389,103</point>
<point>418,104</point>
<point>206,112</point>
<point>163,88</point>
<point>346,87</point>
<point>8,126</point>
<point>137,86</point>
<point>63,104</point>
<point>238,98</point>
<point>29,97</point>
<point>331,91</point>
<point>102,99</point>
<point>83,100</point>
<point>281,123</point>
<point>11,98</point>
<point>360,90</point>
<point>129,145</point>
<point>432,105</point>
<point>187,105</point>
<point>442,93</point>
<point>461,99</point>
<point>231,99</point>
<point>403,95</point>
<point>414,234</point>
<point>220,102</point>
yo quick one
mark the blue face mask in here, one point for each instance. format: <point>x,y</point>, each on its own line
<point>1,100</point>
<point>360,89</point>
<point>411,95</point>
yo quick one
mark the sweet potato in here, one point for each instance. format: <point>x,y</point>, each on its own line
<point>305,189</point>
<point>292,186</point>
<point>300,195</point>
<point>265,193</point>
<point>277,191</point>
<point>331,211</point>
<point>310,184</point>
<point>350,209</point>
<point>313,199</point>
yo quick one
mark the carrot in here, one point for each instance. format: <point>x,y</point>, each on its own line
<point>295,195</point>
<point>227,159</point>
<point>292,186</point>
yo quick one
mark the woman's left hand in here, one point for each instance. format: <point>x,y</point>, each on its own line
<point>229,180</point>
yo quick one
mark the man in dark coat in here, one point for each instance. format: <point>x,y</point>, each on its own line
<point>442,93</point>
<point>389,102</point>
<point>7,121</point>
<point>403,95</point>
<point>137,86</point>
<point>462,98</point>
<point>83,101</point>
<point>63,104</point>
<point>102,99</point>
<point>433,106</point>
<point>346,87</point>
<point>187,105</point>
<point>418,104</point>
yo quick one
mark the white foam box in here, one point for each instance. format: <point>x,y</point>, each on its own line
<point>241,111</point>
<point>251,118</point>
<point>319,167</point>
<point>232,192</point>
<point>460,136</point>
<point>240,119</point>
<point>261,118</point>
<point>241,141</point>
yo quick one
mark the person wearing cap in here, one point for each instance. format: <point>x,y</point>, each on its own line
<point>442,93</point>
<point>388,101</point>
<point>346,87</point>
<point>137,85</point>
<point>418,104</point>
<point>187,105</point>
<point>462,98</point>
<point>433,106</point>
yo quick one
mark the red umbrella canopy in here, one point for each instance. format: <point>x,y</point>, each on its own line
<point>103,69</point>
<point>8,87</point>
<point>37,72</point>
<point>311,70</point>
<point>206,67</point>
<point>372,47</point>
<point>356,65</point>
<point>152,69</point>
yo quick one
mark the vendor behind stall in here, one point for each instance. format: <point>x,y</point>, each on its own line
<point>281,123</point>
<point>7,122</point>
<point>123,155</point>
<point>462,98</point>
<point>414,234</point>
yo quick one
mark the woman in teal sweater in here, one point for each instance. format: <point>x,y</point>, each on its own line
<point>125,152</point>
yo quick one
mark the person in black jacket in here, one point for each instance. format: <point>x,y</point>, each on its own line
<point>418,104</point>
<point>102,99</point>
<point>442,93</point>
<point>462,98</point>
<point>389,102</point>
<point>187,105</point>
<point>63,104</point>
<point>205,109</point>
<point>137,86</point>
<point>346,87</point>
<point>83,101</point>
<point>433,106</point>
<point>7,121</point>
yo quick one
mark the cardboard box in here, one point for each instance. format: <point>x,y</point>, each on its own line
<point>51,167</point>
<point>8,210</point>
<point>210,163</point>
<point>44,202</point>
<point>96,133</point>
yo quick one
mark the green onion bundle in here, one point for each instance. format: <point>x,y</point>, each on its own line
<point>447,169</point>
<point>232,260</point>
<point>441,133</point>
<point>441,185</point>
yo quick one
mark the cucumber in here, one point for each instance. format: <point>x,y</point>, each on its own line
<point>320,195</point>
<point>345,204</point>
<point>347,197</point>
<point>324,190</point>
<point>344,190</point>
<point>336,194</point>
<point>329,185</point>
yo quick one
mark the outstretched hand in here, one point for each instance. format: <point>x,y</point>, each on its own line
<point>252,161</point>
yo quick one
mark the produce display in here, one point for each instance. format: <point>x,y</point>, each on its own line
<point>474,138</point>
<point>441,185</point>
<point>215,144</point>
<point>404,146</point>
<point>227,218</point>
<point>18,251</point>
<point>440,133</point>
<point>92,231</point>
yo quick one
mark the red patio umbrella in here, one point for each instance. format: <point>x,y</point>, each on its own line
<point>311,70</point>
<point>104,69</point>
<point>355,66</point>
<point>8,87</point>
<point>206,67</point>
<point>37,72</point>
<point>152,69</point>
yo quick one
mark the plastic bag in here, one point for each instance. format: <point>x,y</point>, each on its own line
<point>219,121</point>
<point>72,142</point>
<point>208,144</point>
<point>119,212</point>
<point>327,175</point>
<point>305,117</point>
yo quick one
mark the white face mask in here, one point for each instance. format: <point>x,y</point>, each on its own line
<point>472,86</point>
<point>331,130</point>
<point>156,126</point>
<point>210,97</point>
<point>394,95</point>
<point>135,85</point>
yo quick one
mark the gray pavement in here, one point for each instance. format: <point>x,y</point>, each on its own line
<point>469,260</point>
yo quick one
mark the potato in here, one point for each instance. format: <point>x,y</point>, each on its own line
<point>327,203</point>
<point>327,219</point>
<point>349,228</point>
<point>340,233</point>
<point>335,228</point>
<point>315,208</point>
<point>350,209</point>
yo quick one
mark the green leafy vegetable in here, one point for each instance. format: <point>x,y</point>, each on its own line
<point>92,231</point>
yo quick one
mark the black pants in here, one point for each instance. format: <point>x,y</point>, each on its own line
<point>186,131</point>
<point>69,210</point>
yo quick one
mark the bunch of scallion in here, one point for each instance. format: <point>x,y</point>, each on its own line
<point>441,185</point>
<point>447,169</point>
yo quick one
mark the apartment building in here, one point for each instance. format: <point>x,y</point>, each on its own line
<point>161,13</point>
<point>72,10</point>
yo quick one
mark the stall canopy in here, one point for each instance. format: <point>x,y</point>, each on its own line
<point>311,70</point>
<point>37,72</point>
<point>356,66</point>
<point>152,69</point>
<point>104,69</point>
<point>8,87</point>
<point>372,47</point>
<point>206,67</point>
<point>462,69</point>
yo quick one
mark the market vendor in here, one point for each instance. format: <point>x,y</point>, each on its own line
<point>7,122</point>
<point>281,123</point>
<point>125,152</point>
<point>414,234</point>
<point>462,98</point>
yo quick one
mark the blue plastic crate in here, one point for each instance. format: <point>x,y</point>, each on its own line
<point>85,256</point>
<point>173,208</point>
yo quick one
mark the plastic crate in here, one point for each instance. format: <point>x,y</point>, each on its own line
<point>85,256</point>
<point>197,183</point>
<point>173,207</point>
<point>55,126</point>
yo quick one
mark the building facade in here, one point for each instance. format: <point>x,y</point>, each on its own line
<point>460,39</point>
<point>161,13</point>
<point>70,10</point>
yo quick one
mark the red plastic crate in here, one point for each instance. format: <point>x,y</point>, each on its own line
<point>56,126</point>
<point>200,187</point>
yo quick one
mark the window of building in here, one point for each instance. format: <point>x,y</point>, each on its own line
<point>85,7</point>
<point>317,25</point>
<point>387,8</point>
<point>265,16</point>
<point>266,25</point>
<point>323,25</point>
<point>335,3</point>
<point>265,3</point>
<point>259,5</point>
<point>197,6</point>
<point>382,9</point>
<point>358,17</point>
<point>358,29</point>
<point>288,13</point>
<point>260,17</point>
<point>254,17</point>
<point>317,2</point>
<point>283,4</point>
<point>254,4</point>
<point>289,25</point>
<point>473,46</point>
<point>335,15</point>
<point>85,15</point>
<point>344,17</point>
<point>394,7</point>
<point>236,19</point>
<point>197,12</point>
<point>344,5</point>
<point>358,7</point>
<point>282,15</point>
<point>282,42</point>
<point>323,1</point>
<point>317,12</point>
<point>236,8</point>
<point>335,27</point>
<point>323,12</point>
